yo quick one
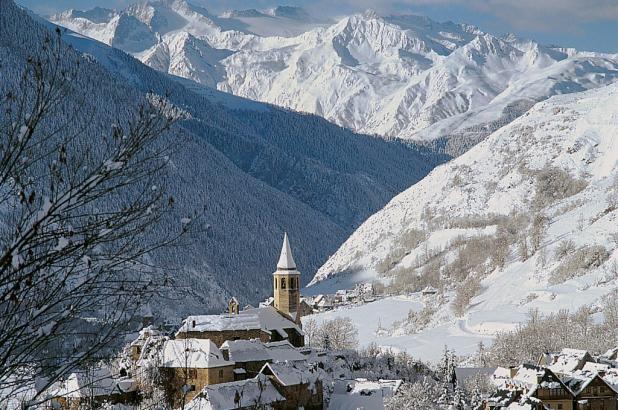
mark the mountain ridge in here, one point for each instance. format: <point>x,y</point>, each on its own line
<point>395,76</point>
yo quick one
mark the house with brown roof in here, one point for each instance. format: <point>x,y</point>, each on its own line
<point>591,392</point>
<point>539,386</point>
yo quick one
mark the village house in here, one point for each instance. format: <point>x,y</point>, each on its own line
<point>91,388</point>
<point>537,385</point>
<point>591,392</point>
<point>255,393</point>
<point>219,328</point>
<point>299,383</point>
<point>249,357</point>
<point>362,394</point>
<point>146,335</point>
<point>188,365</point>
<point>567,361</point>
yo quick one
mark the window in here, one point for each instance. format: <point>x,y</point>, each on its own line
<point>275,283</point>
<point>282,283</point>
<point>221,374</point>
<point>559,406</point>
<point>192,374</point>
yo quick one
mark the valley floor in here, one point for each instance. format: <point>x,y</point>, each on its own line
<point>375,322</point>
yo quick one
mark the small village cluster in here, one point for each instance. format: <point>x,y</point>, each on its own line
<point>242,359</point>
<point>569,380</point>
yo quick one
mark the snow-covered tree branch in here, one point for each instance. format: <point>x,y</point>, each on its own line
<point>74,263</point>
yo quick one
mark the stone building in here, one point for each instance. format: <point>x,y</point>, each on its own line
<point>298,382</point>
<point>188,365</point>
<point>591,392</point>
<point>286,283</point>
<point>256,393</point>
<point>268,323</point>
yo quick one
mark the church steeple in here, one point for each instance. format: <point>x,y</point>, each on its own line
<point>286,282</point>
<point>286,260</point>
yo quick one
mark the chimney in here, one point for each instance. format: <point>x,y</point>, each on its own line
<point>193,324</point>
<point>513,371</point>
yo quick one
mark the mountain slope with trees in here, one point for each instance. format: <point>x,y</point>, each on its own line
<point>247,172</point>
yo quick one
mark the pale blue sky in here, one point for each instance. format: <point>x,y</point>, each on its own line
<point>583,24</point>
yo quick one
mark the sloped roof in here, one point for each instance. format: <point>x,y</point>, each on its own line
<point>356,394</point>
<point>92,383</point>
<point>286,260</point>
<point>568,360</point>
<point>233,395</point>
<point>292,374</point>
<point>218,323</point>
<point>192,353</point>
<point>283,351</point>
<point>271,319</point>
<point>246,350</point>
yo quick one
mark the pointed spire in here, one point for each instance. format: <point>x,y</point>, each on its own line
<point>286,260</point>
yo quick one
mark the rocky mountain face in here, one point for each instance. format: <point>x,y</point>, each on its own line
<point>393,76</point>
<point>251,170</point>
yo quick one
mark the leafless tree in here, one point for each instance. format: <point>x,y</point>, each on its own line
<point>76,215</point>
<point>341,332</point>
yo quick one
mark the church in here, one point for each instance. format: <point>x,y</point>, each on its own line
<point>277,319</point>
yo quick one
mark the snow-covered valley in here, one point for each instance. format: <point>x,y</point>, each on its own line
<point>526,220</point>
<point>394,76</point>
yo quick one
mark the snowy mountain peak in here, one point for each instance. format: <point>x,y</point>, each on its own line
<point>396,76</point>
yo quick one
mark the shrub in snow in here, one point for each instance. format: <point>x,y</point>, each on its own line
<point>577,263</point>
<point>554,184</point>
<point>464,294</point>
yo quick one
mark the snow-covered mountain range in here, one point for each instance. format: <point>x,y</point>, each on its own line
<point>527,219</point>
<point>252,170</point>
<point>395,76</point>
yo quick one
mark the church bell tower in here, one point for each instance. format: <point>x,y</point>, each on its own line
<point>286,282</point>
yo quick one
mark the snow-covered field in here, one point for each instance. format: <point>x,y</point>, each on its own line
<point>574,134</point>
<point>427,345</point>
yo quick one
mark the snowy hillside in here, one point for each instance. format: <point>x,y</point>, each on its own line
<point>525,220</point>
<point>252,170</point>
<point>395,76</point>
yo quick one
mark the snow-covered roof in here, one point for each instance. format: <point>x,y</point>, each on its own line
<point>526,377</point>
<point>270,319</point>
<point>286,260</point>
<point>357,394</point>
<point>246,350</point>
<point>233,395</point>
<point>218,323</point>
<point>144,335</point>
<point>283,351</point>
<point>192,353</point>
<point>292,373</point>
<point>430,289</point>
<point>568,361</point>
<point>92,383</point>
<point>595,367</point>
